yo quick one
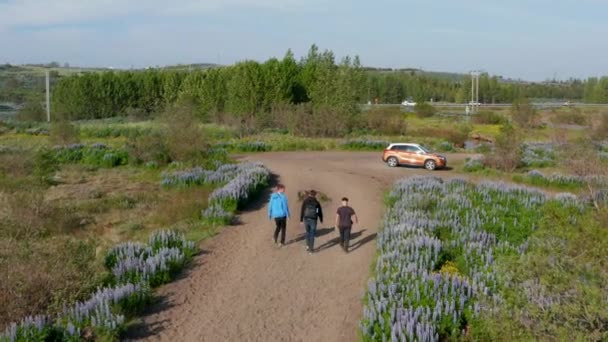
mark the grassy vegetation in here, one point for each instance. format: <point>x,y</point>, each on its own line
<point>63,206</point>
<point>70,191</point>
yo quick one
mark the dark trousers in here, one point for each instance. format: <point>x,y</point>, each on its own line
<point>281,227</point>
<point>311,231</point>
<point>344,236</point>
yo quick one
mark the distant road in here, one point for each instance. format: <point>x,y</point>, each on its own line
<point>495,105</point>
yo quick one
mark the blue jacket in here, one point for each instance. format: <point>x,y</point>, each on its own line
<point>278,206</point>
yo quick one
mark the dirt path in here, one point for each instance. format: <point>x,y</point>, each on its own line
<point>243,288</point>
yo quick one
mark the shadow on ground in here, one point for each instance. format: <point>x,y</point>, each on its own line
<point>365,240</point>
<point>447,168</point>
<point>302,237</point>
<point>336,241</point>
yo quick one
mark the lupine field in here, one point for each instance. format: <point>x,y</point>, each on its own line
<point>536,177</point>
<point>133,269</point>
<point>442,271</point>
<point>239,183</point>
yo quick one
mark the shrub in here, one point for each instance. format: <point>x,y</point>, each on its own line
<point>600,131</point>
<point>424,110</point>
<point>474,164</point>
<point>149,148</point>
<point>315,121</point>
<point>95,154</point>
<point>364,144</point>
<point>573,116</point>
<point>31,111</point>
<point>64,133</point>
<point>253,146</point>
<point>183,136</point>
<point>384,120</point>
<point>507,153</point>
<point>445,146</point>
<point>524,114</point>
<point>249,180</point>
<point>535,177</point>
<point>136,114</point>
<point>115,131</point>
<point>240,183</point>
<point>200,176</point>
<point>488,118</point>
<point>538,155</point>
<point>460,134</point>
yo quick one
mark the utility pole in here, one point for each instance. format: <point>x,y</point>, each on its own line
<point>475,90</point>
<point>48,97</point>
<point>472,88</point>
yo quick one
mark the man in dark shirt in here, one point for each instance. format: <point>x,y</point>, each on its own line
<point>310,213</point>
<point>344,222</point>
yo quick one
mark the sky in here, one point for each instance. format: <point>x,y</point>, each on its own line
<point>532,40</point>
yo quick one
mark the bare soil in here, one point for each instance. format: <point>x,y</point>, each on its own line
<point>244,288</point>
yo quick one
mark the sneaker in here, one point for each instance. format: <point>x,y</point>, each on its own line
<point>281,245</point>
<point>307,248</point>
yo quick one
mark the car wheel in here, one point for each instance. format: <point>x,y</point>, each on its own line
<point>430,165</point>
<point>392,162</point>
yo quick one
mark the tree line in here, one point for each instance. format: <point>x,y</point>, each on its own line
<point>251,90</point>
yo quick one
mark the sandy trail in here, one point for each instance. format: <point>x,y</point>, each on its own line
<point>243,288</point>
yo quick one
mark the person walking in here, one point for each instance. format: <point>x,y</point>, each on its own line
<point>345,217</point>
<point>278,209</point>
<point>309,215</point>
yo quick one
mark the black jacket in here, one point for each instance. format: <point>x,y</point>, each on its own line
<point>313,201</point>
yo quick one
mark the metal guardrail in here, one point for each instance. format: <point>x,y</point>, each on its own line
<point>494,105</point>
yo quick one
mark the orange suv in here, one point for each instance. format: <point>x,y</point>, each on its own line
<point>413,154</point>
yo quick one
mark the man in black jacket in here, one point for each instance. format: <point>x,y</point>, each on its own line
<point>310,213</point>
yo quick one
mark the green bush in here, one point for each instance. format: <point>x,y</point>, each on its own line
<point>573,116</point>
<point>31,111</point>
<point>424,110</point>
<point>600,130</point>
<point>183,136</point>
<point>384,120</point>
<point>524,114</point>
<point>96,155</point>
<point>365,145</point>
<point>488,118</point>
<point>114,131</point>
<point>149,148</point>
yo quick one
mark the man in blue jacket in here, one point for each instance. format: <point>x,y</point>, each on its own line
<point>278,209</point>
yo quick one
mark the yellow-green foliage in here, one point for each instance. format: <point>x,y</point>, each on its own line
<point>449,268</point>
